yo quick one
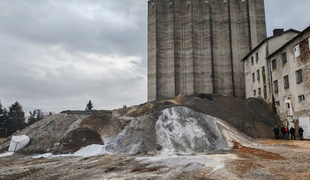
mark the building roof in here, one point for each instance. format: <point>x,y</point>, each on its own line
<point>267,39</point>
<point>282,47</point>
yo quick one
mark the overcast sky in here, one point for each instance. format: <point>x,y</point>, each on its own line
<point>58,54</point>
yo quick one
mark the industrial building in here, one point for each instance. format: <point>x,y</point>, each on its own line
<point>195,46</point>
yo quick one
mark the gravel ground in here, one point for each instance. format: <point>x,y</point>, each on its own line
<point>269,159</point>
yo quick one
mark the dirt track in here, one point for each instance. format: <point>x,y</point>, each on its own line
<point>270,159</point>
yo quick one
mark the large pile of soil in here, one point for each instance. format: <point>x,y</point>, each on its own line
<point>188,123</point>
<point>253,116</point>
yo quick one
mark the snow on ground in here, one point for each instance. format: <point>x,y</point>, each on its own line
<point>88,151</point>
<point>6,154</point>
<point>91,150</point>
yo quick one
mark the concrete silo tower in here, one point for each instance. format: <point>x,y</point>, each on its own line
<point>195,46</point>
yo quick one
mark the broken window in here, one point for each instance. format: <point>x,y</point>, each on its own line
<point>254,93</point>
<point>259,91</point>
<point>252,60</point>
<point>286,82</point>
<point>301,98</point>
<point>275,84</point>
<point>299,76</point>
<point>264,75</point>
<point>256,57</point>
<point>284,59</point>
<point>274,64</point>
<point>253,76</point>
<point>277,103</point>
<point>258,76</point>
<point>296,50</point>
<point>265,92</point>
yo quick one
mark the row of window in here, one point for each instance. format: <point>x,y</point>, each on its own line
<point>259,90</point>
<point>258,74</point>
<point>252,59</point>
<point>300,99</point>
<point>286,80</point>
<point>274,62</point>
<point>284,56</point>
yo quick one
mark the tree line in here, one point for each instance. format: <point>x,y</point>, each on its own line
<point>14,119</point>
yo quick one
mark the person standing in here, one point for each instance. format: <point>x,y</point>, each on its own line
<point>292,131</point>
<point>283,132</point>
<point>276,132</point>
<point>286,133</point>
<point>301,133</point>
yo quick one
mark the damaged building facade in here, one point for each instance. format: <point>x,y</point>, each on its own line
<point>288,77</point>
<point>195,46</point>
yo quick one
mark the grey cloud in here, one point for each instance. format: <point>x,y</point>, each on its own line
<point>52,51</point>
<point>61,24</point>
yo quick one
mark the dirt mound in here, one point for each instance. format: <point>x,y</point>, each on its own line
<point>186,124</point>
<point>77,139</point>
<point>252,117</point>
<point>105,124</point>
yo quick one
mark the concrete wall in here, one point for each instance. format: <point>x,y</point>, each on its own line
<point>298,108</point>
<point>268,47</point>
<point>194,47</point>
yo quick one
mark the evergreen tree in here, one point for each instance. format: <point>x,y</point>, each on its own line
<point>35,115</point>
<point>1,116</point>
<point>89,106</point>
<point>16,118</point>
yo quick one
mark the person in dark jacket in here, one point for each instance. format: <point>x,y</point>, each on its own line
<point>301,133</point>
<point>292,131</point>
<point>283,132</point>
<point>276,132</point>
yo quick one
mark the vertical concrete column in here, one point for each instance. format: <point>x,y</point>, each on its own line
<point>165,50</point>
<point>161,48</point>
<point>197,45</point>
<point>260,20</point>
<point>169,51</point>
<point>151,67</point>
<point>243,35</point>
<point>257,20</point>
<point>235,56</point>
<point>206,44</point>
<point>178,47</point>
<point>222,59</point>
<point>188,67</point>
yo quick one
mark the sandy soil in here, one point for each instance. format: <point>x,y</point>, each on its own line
<point>269,159</point>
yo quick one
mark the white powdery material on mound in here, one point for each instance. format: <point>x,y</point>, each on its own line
<point>181,130</point>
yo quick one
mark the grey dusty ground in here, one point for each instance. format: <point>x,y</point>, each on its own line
<point>269,159</point>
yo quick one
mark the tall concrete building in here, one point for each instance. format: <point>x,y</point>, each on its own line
<point>195,46</point>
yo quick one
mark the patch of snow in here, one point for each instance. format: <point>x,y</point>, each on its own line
<point>91,150</point>
<point>46,155</point>
<point>6,154</point>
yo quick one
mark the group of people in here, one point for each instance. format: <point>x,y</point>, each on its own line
<point>286,132</point>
